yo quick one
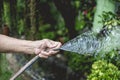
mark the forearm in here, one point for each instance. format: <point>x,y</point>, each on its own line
<point>8,44</point>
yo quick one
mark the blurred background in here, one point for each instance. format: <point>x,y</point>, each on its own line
<point>59,20</point>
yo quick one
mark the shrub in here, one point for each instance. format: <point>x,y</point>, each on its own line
<point>102,70</point>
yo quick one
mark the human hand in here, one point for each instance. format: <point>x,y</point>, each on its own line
<point>45,48</point>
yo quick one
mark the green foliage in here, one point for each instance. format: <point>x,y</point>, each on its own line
<point>20,5</point>
<point>76,4</point>
<point>112,57</point>
<point>45,32</point>
<point>21,27</point>
<point>110,19</point>
<point>60,23</point>
<point>80,63</point>
<point>6,13</point>
<point>102,70</point>
<point>80,23</point>
<point>5,73</point>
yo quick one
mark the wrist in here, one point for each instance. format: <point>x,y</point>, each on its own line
<point>28,48</point>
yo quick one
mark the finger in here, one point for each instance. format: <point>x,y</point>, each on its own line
<point>58,45</point>
<point>50,44</point>
<point>37,51</point>
<point>46,53</point>
<point>53,52</point>
<point>43,56</point>
<point>54,45</point>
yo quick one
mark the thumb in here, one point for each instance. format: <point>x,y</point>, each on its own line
<point>37,51</point>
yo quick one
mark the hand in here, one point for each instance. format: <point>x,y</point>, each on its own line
<point>45,48</point>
